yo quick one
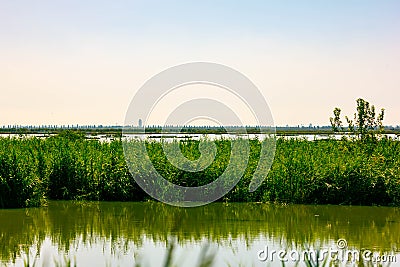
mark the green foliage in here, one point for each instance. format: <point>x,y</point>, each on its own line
<point>366,123</point>
<point>70,135</point>
<point>20,175</point>
<point>335,172</point>
<point>326,172</point>
<point>336,122</point>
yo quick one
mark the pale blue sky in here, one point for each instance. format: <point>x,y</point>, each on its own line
<point>68,62</point>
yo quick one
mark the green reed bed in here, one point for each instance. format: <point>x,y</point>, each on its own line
<point>70,167</point>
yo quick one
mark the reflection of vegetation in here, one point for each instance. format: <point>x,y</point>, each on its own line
<point>324,172</point>
<point>206,258</point>
<point>125,225</point>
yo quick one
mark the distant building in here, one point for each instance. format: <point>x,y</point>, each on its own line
<point>140,123</point>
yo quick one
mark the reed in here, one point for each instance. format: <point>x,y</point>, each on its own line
<point>71,167</point>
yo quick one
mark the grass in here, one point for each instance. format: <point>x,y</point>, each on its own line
<point>69,167</point>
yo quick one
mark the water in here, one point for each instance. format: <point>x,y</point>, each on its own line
<point>120,234</point>
<point>174,136</point>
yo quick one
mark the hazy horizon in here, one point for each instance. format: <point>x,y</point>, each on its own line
<point>73,62</point>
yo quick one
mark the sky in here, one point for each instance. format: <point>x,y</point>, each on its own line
<point>81,62</point>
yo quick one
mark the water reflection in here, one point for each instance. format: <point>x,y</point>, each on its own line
<point>115,232</point>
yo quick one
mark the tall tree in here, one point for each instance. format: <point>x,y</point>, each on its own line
<point>366,122</point>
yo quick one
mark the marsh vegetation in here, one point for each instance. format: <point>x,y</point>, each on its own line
<point>68,167</point>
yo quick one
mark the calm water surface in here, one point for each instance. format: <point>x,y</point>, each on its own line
<point>172,136</point>
<point>121,234</point>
